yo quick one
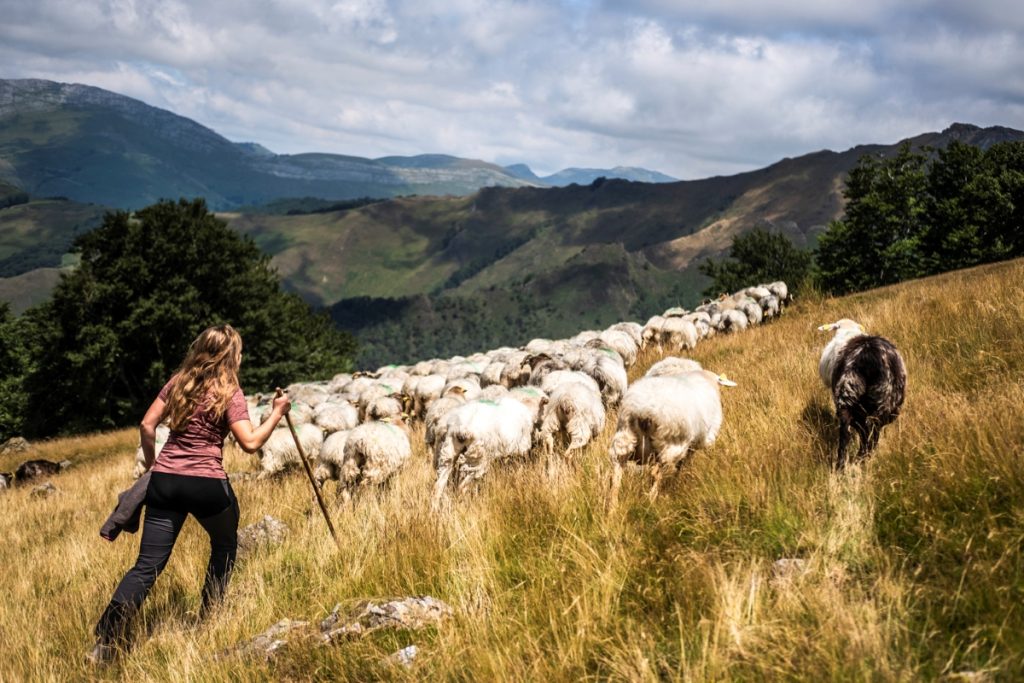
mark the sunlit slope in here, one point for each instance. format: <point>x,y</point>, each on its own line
<point>913,566</point>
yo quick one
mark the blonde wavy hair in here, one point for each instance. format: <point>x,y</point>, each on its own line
<point>208,376</point>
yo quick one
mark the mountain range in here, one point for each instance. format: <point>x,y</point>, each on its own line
<point>412,276</point>
<point>418,277</point>
<point>92,145</point>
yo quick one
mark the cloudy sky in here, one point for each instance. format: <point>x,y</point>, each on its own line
<point>689,88</point>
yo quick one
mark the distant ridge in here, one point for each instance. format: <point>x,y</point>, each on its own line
<point>92,145</point>
<point>585,176</point>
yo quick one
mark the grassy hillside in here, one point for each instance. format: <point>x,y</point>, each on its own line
<point>914,564</point>
<point>37,234</point>
<point>517,299</point>
<point>29,289</point>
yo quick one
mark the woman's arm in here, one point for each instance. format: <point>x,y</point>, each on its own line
<point>252,438</point>
<point>147,430</point>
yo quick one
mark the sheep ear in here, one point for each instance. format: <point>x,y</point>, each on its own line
<point>725,381</point>
<point>829,326</point>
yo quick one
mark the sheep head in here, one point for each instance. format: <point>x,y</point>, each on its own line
<point>842,324</point>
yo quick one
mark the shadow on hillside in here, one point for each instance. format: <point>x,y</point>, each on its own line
<point>820,422</point>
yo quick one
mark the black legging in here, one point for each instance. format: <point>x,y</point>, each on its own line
<point>170,498</point>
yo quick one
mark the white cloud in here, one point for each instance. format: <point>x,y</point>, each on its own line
<point>687,88</point>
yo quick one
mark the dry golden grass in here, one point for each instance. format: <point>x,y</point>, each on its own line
<point>913,562</point>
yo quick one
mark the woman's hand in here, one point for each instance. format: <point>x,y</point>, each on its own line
<point>282,404</point>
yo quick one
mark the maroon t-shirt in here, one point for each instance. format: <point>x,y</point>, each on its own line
<point>196,451</point>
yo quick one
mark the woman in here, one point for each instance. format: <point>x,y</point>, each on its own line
<point>201,402</point>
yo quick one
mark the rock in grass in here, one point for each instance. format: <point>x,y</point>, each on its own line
<point>411,613</point>
<point>43,490</point>
<point>267,644</point>
<point>14,445</point>
<point>404,657</point>
<point>787,569</point>
<point>267,531</point>
<point>6,480</point>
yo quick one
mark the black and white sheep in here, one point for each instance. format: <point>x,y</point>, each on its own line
<point>868,381</point>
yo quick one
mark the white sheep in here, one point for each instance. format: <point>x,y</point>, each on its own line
<point>770,306</point>
<point>702,323</point>
<point>396,405</point>
<point>533,398</point>
<point>756,292</point>
<point>470,386</point>
<point>623,344</point>
<point>478,434</point>
<point>574,410</point>
<point>672,415</point>
<point>551,380</point>
<point>374,452</point>
<point>379,389</point>
<point>634,330</point>
<point>162,433</point>
<point>678,333</point>
<point>433,421</point>
<point>780,290</point>
<point>279,452</point>
<point>333,416</point>
<point>651,332</point>
<point>492,373</point>
<point>607,369</point>
<point>427,389</point>
<point>733,321</point>
<point>672,365</point>
<point>752,310</point>
<point>332,454</point>
<point>516,371</point>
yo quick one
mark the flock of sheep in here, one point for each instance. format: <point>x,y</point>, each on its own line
<point>550,396</point>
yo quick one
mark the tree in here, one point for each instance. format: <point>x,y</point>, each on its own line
<point>15,363</point>
<point>877,242</point>
<point>117,326</point>
<point>966,209</point>
<point>1005,162</point>
<point>757,257</point>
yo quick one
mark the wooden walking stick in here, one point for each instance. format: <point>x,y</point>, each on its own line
<point>309,473</point>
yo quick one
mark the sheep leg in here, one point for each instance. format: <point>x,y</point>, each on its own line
<point>623,444</point>
<point>669,457</point>
<point>443,473</point>
<point>613,488</point>
<point>844,439</point>
<point>444,459</point>
<point>868,440</point>
<point>474,466</point>
<point>346,496</point>
<point>579,433</point>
